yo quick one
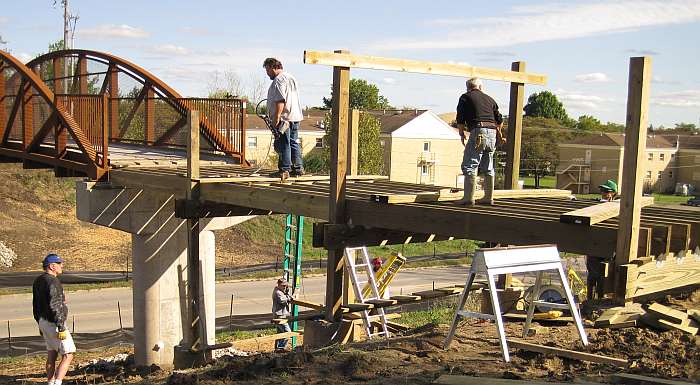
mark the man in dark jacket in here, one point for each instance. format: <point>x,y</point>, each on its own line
<point>478,114</point>
<point>50,313</point>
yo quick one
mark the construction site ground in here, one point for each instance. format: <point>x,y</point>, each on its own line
<point>413,357</point>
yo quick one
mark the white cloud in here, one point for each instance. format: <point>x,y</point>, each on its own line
<point>4,19</point>
<point>643,52</point>
<point>595,77</point>
<point>170,49</point>
<point>24,57</point>
<point>682,99</point>
<point>389,80</point>
<point>584,102</point>
<point>196,31</point>
<point>659,80</point>
<point>113,31</point>
<point>550,21</point>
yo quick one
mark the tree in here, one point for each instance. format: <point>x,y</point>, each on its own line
<point>545,104</point>
<point>539,154</point>
<point>363,96</point>
<point>369,150</point>
<point>588,123</point>
<point>228,83</point>
<point>688,128</point>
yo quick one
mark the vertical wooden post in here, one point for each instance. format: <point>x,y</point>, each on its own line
<point>339,153</point>
<point>515,129</point>
<point>27,116</point>
<point>633,170</point>
<point>353,142</point>
<point>60,134</point>
<point>82,75</point>
<point>3,111</point>
<point>113,74</point>
<point>243,120</point>
<point>193,146</point>
<point>149,114</point>
<point>105,131</point>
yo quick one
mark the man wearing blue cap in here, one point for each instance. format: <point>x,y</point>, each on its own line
<point>51,312</point>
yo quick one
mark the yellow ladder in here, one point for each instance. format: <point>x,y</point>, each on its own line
<point>387,272</point>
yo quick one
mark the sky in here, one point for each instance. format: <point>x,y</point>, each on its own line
<point>582,46</point>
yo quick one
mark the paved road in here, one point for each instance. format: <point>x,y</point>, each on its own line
<point>96,310</point>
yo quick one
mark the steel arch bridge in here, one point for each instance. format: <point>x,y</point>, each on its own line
<point>64,108</point>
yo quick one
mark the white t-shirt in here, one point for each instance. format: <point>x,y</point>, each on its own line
<point>284,87</point>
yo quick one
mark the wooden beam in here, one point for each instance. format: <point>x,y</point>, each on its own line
<point>193,145</point>
<point>113,76</point>
<point>59,87</point>
<point>345,59</point>
<point>635,379</point>
<point>336,236</point>
<point>353,142</point>
<point>189,209</point>
<point>633,166</point>
<point>598,213</point>
<point>336,201</point>
<point>449,195</point>
<point>665,312</point>
<point>515,129</point>
<point>82,75</point>
<point>3,110</point>
<point>656,277</point>
<point>452,379</point>
<point>619,362</point>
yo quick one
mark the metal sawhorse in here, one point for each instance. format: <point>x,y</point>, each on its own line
<point>516,259</point>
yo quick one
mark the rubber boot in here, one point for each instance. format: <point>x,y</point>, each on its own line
<point>489,182</point>
<point>469,187</point>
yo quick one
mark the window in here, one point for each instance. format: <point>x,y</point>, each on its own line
<point>648,174</point>
<point>661,174</point>
<point>426,146</point>
<point>662,156</point>
<point>651,156</point>
<point>670,174</point>
<point>319,143</point>
<point>424,170</point>
<point>252,141</point>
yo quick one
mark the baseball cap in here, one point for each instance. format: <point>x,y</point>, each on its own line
<point>51,258</point>
<point>283,282</point>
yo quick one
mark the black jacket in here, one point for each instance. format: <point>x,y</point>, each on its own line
<point>48,300</point>
<point>474,107</point>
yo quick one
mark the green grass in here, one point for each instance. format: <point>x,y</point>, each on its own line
<point>545,182</point>
<point>664,199</point>
<point>70,287</point>
<point>227,336</point>
<point>437,315</point>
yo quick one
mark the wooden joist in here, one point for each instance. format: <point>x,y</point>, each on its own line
<point>658,276</point>
<point>267,179</point>
<point>402,65</point>
<point>452,379</point>
<point>688,326</point>
<point>598,213</point>
<point>664,312</point>
<point>450,195</point>
<point>568,353</point>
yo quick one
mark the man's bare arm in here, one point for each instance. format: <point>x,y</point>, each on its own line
<point>278,112</point>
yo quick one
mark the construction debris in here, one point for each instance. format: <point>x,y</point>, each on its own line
<point>635,379</point>
<point>7,255</point>
<point>654,315</point>
<point>568,353</point>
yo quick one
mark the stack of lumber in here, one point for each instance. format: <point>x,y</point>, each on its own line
<point>665,318</point>
<point>655,315</point>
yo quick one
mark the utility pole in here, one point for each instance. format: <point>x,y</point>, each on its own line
<point>66,62</point>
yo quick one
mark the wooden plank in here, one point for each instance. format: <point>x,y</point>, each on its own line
<point>568,353</point>
<point>653,279</point>
<point>664,312</point>
<point>264,339</point>
<point>267,179</point>
<point>353,142</point>
<point>598,213</point>
<point>452,379</point>
<point>345,59</point>
<point>447,195</point>
<point>331,236</point>
<point>515,129</point>
<point>635,379</point>
<point>632,169</point>
<point>406,298</point>
<point>355,307</point>
<point>311,305</point>
<point>336,200</point>
<point>688,326</point>
<point>694,314</point>
<point>382,302</point>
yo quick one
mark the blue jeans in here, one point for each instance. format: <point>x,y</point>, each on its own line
<point>282,343</point>
<point>289,150</point>
<point>478,153</point>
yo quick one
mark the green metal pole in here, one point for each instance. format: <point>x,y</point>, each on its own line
<point>296,277</point>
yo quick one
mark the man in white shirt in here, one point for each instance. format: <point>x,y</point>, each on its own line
<point>284,110</point>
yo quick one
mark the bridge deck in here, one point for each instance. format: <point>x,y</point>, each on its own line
<point>511,221</point>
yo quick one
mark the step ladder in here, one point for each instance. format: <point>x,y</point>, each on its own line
<point>361,274</point>
<point>293,237</point>
<point>507,260</point>
<point>386,274</point>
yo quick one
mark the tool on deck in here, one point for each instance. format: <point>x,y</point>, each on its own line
<point>293,237</point>
<point>365,267</point>
<point>386,274</point>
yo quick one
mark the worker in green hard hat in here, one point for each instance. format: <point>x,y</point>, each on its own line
<point>594,264</point>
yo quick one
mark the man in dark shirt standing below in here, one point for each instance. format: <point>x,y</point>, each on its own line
<point>478,114</point>
<point>51,312</point>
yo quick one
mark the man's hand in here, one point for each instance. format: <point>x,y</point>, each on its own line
<point>462,135</point>
<point>62,335</point>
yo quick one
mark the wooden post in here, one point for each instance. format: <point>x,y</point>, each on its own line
<point>336,214</point>
<point>113,74</point>
<point>515,129</point>
<point>149,115</point>
<point>61,134</point>
<point>3,111</point>
<point>105,131</point>
<point>632,170</point>
<point>353,142</point>
<point>27,116</point>
<point>82,75</point>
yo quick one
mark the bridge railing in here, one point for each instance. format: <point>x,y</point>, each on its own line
<point>225,117</point>
<point>91,114</point>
